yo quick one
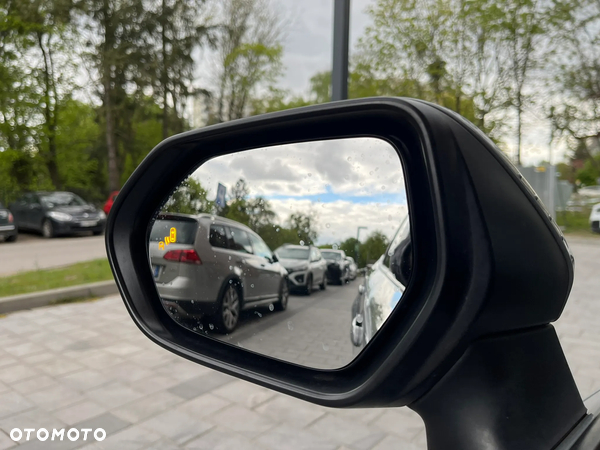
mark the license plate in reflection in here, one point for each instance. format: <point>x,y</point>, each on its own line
<point>88,223</point>
<point>156,270</point>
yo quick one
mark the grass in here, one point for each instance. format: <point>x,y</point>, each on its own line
<point>576,222</point>
<point>41,280</point>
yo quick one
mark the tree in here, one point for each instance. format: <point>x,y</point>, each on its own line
<point>303,225</point>
<point>523,28</point>
<point>350,246</point>
<point>177,28</point>
<point>188,198</point>
<point>249,53</point>
<point>117,48</point>
<point>373,247</point>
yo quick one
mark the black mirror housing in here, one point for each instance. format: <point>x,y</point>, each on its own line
<point>471,213</point>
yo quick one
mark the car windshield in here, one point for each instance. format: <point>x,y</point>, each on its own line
<point>331,255</point>
<point>185,230</point>
<point>292,253</point>
<point>61,199</point>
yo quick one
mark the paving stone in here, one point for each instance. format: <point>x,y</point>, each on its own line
<point>107,421</point>
<point>222,439</point>
<point>346,432</point>
<point>12,403</point>
<point>113,395</point>
<point>288,437</point>
<point>145,407</point>
<point>6,442</point>
<point>79,411</point>
<point>178,427</point>
<point>55,397</point>
<point>290,410</point>
<point>203,406</point>
<point>242,420</point>
<point>247,394</point>
<point>200,385</point>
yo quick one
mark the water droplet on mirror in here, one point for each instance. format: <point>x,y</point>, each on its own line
<point>211,326</point>
<point>230,267</point>
<point>349,158</point>
<point>271,307</point>
<point>301,242</point>
<point>325,347</point>
<point>252,286</point>
<point>290,326</point>
<point>230,258</point>
<point>192,302</point>
<point>327,225</point>
<point>258,314</point>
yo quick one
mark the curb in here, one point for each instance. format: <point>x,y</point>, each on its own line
<point>45,298</point>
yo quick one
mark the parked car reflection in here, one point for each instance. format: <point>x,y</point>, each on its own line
<point>383,287</point>
<point>206,265</point>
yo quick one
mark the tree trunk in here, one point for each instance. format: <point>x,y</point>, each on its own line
<point>164,76</point>
<point>111,145</point>
<point>49,116</point>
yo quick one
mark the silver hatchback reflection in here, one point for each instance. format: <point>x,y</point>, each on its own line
<point>207,265</point>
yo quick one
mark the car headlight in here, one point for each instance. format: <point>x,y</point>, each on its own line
<point>60,216</point>
<point>101,215</point>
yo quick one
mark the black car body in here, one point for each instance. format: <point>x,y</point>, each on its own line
<point>305,265</point>
<point>8,228</point>
<point>57,213</point>
<point>338,270</point>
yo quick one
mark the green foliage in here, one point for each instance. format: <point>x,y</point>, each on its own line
<point>189,198</point>
<point>350,246</point>
<point>373,247</point>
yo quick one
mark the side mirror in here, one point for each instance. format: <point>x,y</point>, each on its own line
<point>474,305</point>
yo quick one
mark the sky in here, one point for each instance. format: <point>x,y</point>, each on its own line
<point>359,183</point>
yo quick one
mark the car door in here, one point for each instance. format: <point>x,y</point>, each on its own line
<point>269,271</point>
<point>19,210</point>
<point>36,213</point>
<point>250,264</point>
<point>318,265</point>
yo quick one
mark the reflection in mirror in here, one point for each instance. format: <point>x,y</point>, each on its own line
<point>299,252</point>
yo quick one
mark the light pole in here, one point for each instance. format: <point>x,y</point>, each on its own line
<point>341,37</point>
<point>356,249</point>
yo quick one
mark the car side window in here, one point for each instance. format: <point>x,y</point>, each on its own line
<point>260,248</point>
<point>217,236</point>
<point>239,240</point>
<point>318,255</point>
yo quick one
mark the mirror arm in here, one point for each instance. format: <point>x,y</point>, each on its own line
<point>507,392</point>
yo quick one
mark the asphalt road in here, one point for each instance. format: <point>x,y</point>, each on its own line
<point>32,252</point>
<point>313,331</point>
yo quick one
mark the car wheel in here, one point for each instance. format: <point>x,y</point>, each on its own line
<point>228,314</point>
<point>309,285</point>
<point>284,295</point>
<point>323,285</point>
<point>97,233</point>
<point>47,229</point>
<point>12,238</point>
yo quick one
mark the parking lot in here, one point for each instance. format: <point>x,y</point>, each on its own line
<point>32,252</point>
<point>86,365</point>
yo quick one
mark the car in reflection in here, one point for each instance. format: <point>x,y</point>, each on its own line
<point>8,228</point>
<point>57,213</point>
<point>337,266</point>
<point>383,287</point>
<point>213,267</point>
<point>595,218</point>
<point>305,266</point>
<point>352,267</point>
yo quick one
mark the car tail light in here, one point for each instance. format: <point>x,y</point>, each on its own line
<point>10,218</point>
<point>185,256</point>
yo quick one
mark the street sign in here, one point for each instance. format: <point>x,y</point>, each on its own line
<point>221,191</point>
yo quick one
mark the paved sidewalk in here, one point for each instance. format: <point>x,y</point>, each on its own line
<point>86,365</point>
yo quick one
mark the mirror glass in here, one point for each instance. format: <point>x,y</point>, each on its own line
<point>299,251</point>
